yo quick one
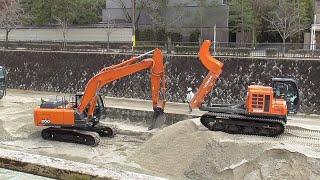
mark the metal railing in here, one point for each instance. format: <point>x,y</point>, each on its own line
<point>292,50</point>
<point>275,50</point>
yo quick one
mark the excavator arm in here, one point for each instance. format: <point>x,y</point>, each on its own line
<point>215,69</point>
<point>109,74</point>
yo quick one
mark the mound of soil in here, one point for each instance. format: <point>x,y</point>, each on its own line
<point>184,150</point>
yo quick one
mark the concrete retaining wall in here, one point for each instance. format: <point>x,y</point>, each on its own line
<point>69,72</point>
<point>138,116</point>
<point>73,34</point>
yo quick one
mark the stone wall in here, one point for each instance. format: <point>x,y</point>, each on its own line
<point>69,72</point>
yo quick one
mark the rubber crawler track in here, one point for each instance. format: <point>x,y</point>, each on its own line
<point>256,125</point>
<point>71,135</point>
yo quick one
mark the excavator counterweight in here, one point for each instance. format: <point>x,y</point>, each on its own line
<point>264,111</point>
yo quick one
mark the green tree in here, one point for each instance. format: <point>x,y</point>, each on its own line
<point>46,12</point>
<point>242,18</point>
<point>259,8</point>
<point>64,13</point>
<point>89,11</point>
<point>305,13</point>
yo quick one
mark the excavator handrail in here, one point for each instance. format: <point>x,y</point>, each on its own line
<point>215,69</point>
<point>109,74</point>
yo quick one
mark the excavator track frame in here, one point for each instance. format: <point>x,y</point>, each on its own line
<point>243,124</point>
<point>87,136</point>
<point>71,135</point>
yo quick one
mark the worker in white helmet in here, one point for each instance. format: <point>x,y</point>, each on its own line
<point>189,98</point>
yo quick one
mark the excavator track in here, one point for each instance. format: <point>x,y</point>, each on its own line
<point>242,124</point>
<point>104,131</point>
<point>71,135</point>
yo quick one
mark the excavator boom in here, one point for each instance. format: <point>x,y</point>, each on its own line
<point>215,69</point>
<point>126,68</point>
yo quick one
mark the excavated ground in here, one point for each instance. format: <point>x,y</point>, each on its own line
<point>185,150</point>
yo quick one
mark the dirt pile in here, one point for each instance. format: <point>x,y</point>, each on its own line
<point>184,150</point>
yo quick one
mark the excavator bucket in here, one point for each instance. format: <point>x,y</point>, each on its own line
<point>159,119</point>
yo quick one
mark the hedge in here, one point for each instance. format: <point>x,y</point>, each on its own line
<point>271,52</point>
<point>304,52</point>
<point>234,51</point>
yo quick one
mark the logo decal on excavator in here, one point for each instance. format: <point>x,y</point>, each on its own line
<point>257,110</point>
<point>207,83</point>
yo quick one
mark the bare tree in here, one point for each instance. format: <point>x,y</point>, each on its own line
<point>139,5</point>
<point>109,27</point>
<point>11,16</point>
<point>204,7</point>
<point>285,19</point>
<point>64,27</point>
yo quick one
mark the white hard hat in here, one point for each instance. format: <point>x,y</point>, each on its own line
<point>189,89</point>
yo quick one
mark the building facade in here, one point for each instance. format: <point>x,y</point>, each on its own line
<point>187,13</point>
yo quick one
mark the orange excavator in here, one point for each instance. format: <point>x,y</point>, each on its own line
<point>78,120</point>
<point>264,111</point>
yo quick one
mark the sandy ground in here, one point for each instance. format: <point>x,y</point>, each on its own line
<point>19,133</point>
<point>184,150</point>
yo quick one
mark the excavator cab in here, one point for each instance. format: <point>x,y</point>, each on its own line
<point>3,79</point>
<point>99,111</point>
<point>287,89</point>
